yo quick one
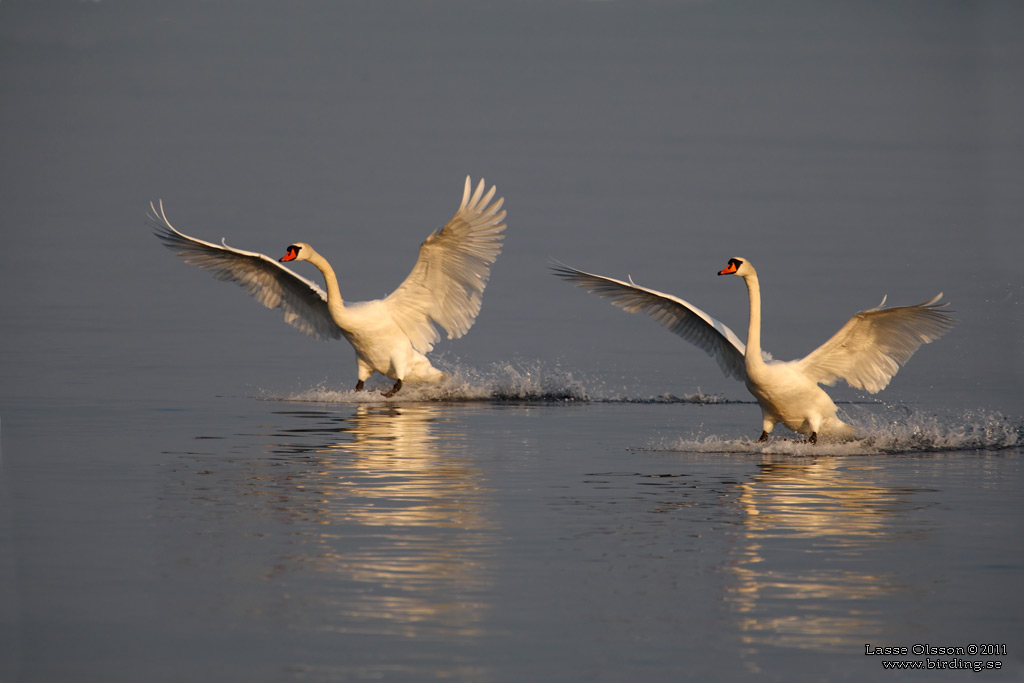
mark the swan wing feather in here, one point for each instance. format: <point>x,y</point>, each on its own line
<point>674,314</point>
<point>870,348</point>
<point>446,285</point>
<point>304,303</point>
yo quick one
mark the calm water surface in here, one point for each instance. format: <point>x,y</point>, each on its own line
<point>267,539</point>
<point>189,492</point>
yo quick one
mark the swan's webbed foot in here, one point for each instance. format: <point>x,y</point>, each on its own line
<point>814,438</point>
<point>359,385</point>
<point>764,437</point>
<point>395,389</point>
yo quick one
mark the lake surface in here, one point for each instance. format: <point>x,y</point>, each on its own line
<point>189,490</point>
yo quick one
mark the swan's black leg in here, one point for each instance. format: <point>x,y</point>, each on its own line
<point>764,437</point>
<point>395,389</point>
<point>814,437</point>
<point>359,385</point>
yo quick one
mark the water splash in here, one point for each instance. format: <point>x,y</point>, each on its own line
<point>911,431</point>
<point>517,380</point>
<point>883,429</point>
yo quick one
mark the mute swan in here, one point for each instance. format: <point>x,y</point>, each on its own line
<point>866,352</point>
<point>390,335</point>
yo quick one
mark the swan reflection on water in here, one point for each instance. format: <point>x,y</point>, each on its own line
<point>783,597</point>
<point>389,467</point>
<point>385,508</point>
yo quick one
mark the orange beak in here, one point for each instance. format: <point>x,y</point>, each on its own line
<point>728,270</point>
<point>290,256</point>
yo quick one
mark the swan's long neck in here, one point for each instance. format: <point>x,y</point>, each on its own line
<point>753,354</point>
<point>335,304</point>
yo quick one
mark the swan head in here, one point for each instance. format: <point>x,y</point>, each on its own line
<point>300,251</point>
<point>738,266</point>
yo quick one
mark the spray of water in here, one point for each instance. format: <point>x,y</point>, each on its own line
<point>516,380</point>
<point>881,428</point>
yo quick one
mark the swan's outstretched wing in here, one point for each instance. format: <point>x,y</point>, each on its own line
<point>672,313</point>
<point>446,285</point>
<point>303,302</point>
<point>872,346</point>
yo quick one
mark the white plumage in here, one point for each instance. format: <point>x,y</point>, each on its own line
<point>866,352</point>
<point>391,335</point>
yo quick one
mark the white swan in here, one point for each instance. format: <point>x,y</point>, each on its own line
<point>390,335</point>
<point>866,352</point>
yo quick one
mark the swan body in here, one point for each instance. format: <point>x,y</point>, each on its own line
<point>866,352</point>
<point>392,335</point>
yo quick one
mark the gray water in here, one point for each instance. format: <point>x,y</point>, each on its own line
<point>189,490</point>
